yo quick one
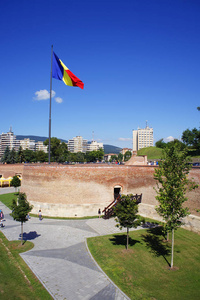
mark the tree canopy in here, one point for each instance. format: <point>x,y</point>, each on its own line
<point>126,214</point>
<point>16,182</point>
<point>172,185</point>
<point>20,210</point>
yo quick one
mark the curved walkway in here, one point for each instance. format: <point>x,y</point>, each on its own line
<point>60,258</point>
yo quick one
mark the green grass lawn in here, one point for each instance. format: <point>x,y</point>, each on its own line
<point>7,199</point>
<point>151,152</point>
<point>16,279</point>
<point>143,272</point>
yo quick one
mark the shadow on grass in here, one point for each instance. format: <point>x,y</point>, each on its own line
<point>121,240</point>
<point>30,236</point>
<point>153,241</point>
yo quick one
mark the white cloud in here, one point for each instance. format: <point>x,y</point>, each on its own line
<point>168,139</point>
<point>124,139</point>
<point>43,95</point>
<point>59,100</point>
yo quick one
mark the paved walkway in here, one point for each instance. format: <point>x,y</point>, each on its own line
<point>60,258</point>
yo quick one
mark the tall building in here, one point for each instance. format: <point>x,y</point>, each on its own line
<point>27,144</point>
<point>77,144</point>
<point>94,146</point>
<point>39,146</point>
<point>8,140</point>
<point>142,138</point>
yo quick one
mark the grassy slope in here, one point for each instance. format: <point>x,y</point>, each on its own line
<point>151,152</point>
<point>156,153</point>
<point>143,272</point>
<point>17,280</point>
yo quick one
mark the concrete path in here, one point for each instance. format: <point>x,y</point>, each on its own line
<point>60,258</point>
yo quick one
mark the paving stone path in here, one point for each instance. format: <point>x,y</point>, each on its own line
<point>60,257</point>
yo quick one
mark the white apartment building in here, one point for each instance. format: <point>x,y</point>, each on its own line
<point>94,146</point>
<point>142,138</point>
<point>77,144</point>
<point>39,146</point>
<point>27,144</point>
<point>8,139</point>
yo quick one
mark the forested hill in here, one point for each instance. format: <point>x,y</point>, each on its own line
<point>107,148</point>
<point>35,138</point>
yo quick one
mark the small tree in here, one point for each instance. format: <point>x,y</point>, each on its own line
<point>127,155</point>
<point>20,210</point>
<point>16,182</point>
<point>126,214</point>
<point>6,156</point>
<point>172,184</point>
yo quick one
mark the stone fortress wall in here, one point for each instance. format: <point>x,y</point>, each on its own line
<point>80,190</point>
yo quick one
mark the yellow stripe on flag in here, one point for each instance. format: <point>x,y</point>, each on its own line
<point>67,80</point>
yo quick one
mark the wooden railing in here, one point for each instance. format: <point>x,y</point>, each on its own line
<point>109,211</point>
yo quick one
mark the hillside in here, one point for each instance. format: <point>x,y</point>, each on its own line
<point>35,138</point>
<point>151,152</point>
<point>107,148</point>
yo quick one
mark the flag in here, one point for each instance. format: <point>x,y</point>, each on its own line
<point>61,72</point>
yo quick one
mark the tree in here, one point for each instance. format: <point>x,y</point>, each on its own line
<point>58,149</point>
<point>120,157</point>
<point>113,158</point>
<point>13,156</point>
<point>80,157</point>
<point>6,156</point>
<point>126,214</point>
<point>100,154</point>
<point>20,210</point>
<point>20,155</point>
<point>41,156</point>
<point>172,185</point>
<point>160,144</point>
<point>29,156</point>
<point>192,138</point>
<point>16,182</point>
<point>127,155</point>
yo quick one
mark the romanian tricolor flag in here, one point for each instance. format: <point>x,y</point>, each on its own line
<point>61,72</point>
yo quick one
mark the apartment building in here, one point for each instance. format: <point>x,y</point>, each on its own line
<point>27,144</point>
<point>39,146</point>
<point>8,140</point>
<point>142,138</point>
<point>77,144</point>
<point>94,146</point>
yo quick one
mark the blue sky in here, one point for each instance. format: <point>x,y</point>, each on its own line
<point>139,60</point>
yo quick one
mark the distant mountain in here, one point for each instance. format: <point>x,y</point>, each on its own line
<point>107,148</point>
<point>111,149</point>
<point>35,138</point>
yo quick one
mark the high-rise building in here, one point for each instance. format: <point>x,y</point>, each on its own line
<point>27,144</point>
<point>142,138</point>
<point>77,144</point>
<point>94,146</point>
<point>39,146</point>
<point>8,140</point>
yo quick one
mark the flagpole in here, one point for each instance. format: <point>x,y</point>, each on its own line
<point>50,107</point>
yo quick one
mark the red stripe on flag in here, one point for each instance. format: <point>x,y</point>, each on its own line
<point>75,80</point>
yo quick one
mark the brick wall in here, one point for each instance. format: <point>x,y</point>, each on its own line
<point>11,170</point>
<point>82,189</point>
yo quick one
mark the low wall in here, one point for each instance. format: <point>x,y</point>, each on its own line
<point>190,222</point>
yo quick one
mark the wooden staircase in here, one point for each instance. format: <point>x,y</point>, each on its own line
<point>109,211</point>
